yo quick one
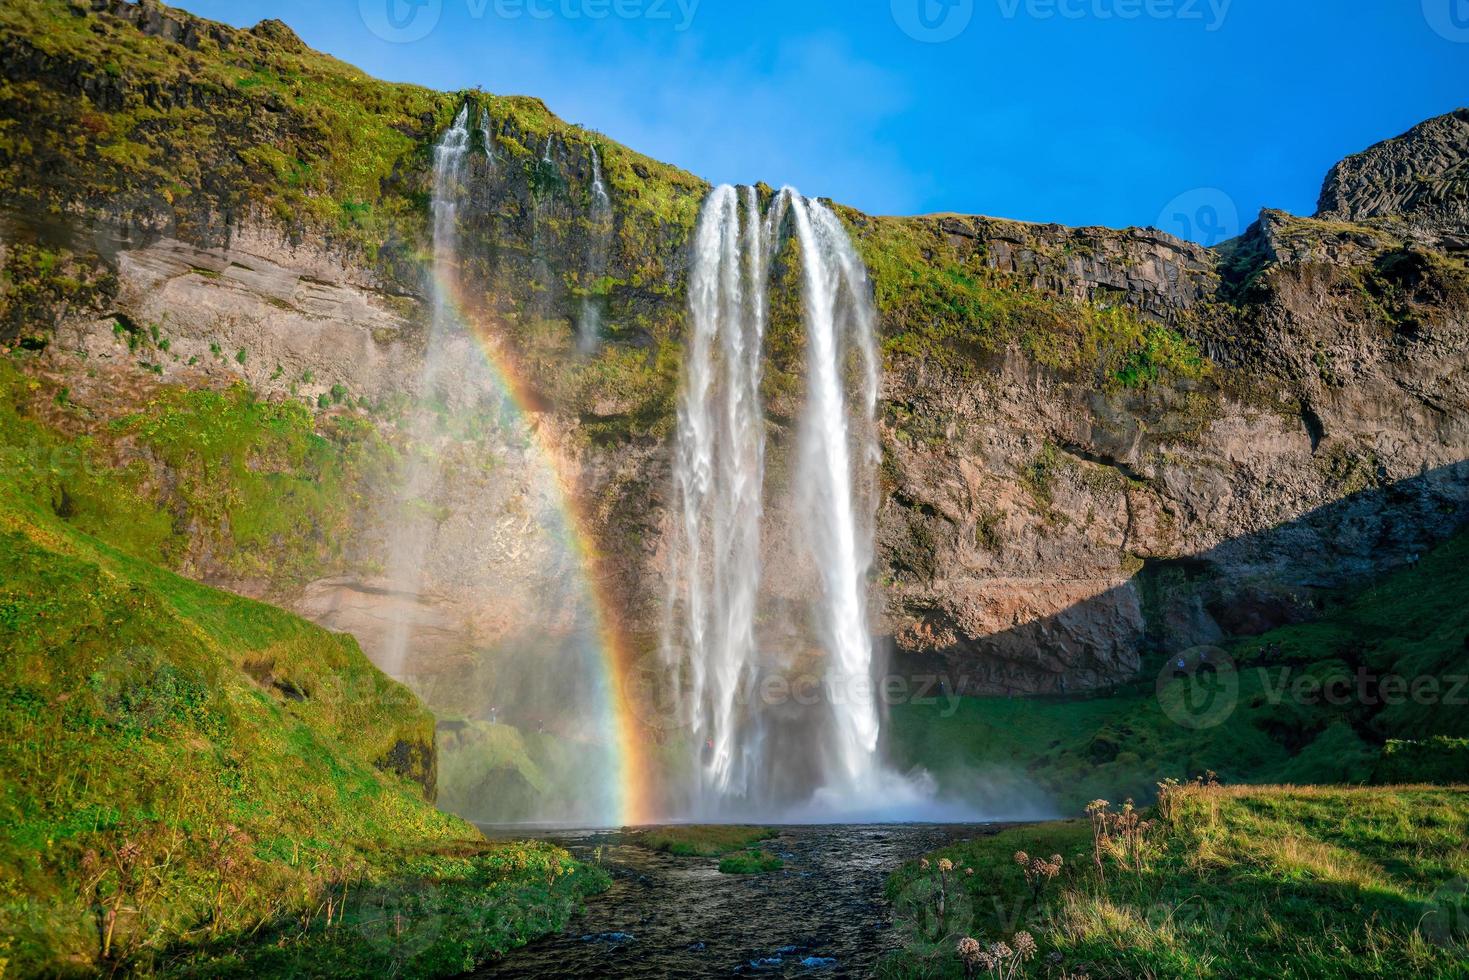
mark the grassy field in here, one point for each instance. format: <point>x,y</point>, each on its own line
<point>1266,881</point>
<point>1277,719</point>
<point>704,840</point>
<point>750,862</point>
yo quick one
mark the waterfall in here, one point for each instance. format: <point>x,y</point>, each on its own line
<point>710,635</point>
<point>601,203</point>
<point>486,134</point>
<point>839,467</point>
<point>589,322</point>
<point>411,536</point>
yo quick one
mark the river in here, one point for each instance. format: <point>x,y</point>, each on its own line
<point>824,914</point>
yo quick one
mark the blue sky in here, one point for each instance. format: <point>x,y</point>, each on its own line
<point>1188,114</point>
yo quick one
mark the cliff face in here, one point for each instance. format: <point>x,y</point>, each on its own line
<point>1043,531</point>
<point>1097,444</point>
<point>1416,184</point>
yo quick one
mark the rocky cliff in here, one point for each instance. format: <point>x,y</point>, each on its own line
<point>1416,184</point>
<point>1099,445</point>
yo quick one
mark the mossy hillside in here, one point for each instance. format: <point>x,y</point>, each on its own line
<point>1227,882</point>
<point>189,774</point>
<point>1311,703</point>
<point>214,126</point>
<point>941,303</point>
<point>201,480</point>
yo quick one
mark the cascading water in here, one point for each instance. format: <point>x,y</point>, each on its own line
<point>839,457</point>
<point>589,322</point>
<point>719,471</point>
<point>714,622</point>
<point>486,134</point>
<point>412,535</point>
<point>515,666</point>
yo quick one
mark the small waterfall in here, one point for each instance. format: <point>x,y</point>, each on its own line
<point>532,682</point>
<point>487,135</point>
<point>710,637</point>
<point>589,322</point>
<point>413,533</point>
<point>601,203</point>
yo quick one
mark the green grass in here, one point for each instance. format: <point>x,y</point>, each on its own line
<point>1282,726</point>
<point>200,774</point>
<point>704,840</point>
<point>941,303</point>
<point>1231,882</point>
<point>202,480</point>
<point>751,862</point>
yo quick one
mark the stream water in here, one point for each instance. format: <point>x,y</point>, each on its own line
<point>822,915</point>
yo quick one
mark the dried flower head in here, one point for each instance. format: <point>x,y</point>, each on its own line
<point>1021,857</point>
<point>1024,945</point>
<point>923,863</point>
<point>1056,860</point>
<point>945,865</point>
<point>1001,951</point>
<point>970,950</point>
<point>969,872</point>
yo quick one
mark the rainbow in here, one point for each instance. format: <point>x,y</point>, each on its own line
<point>633,782</point>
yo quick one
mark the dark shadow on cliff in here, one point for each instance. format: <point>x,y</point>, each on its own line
<point>1325,637</point>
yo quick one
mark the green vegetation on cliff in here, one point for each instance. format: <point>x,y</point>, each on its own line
<point>1218,882</point>
<point>203,481</point>
<point>172,122</point>
<point>943,304</point>
<point>188,773</point>
<point>1317,702</point>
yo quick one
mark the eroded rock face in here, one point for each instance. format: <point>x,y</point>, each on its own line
<point>1417,184</point>
<point>1150,270</point>
<point>1038,531</point>
<point>282,318</point>
<point>1035,534</point>
<point>1050,535</point>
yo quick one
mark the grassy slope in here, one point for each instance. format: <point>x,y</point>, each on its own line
<point>202,481</point>
<point>203,766</point>
<point>700,840</point>
<point>1412,624</point>
<point>1234,882</point>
